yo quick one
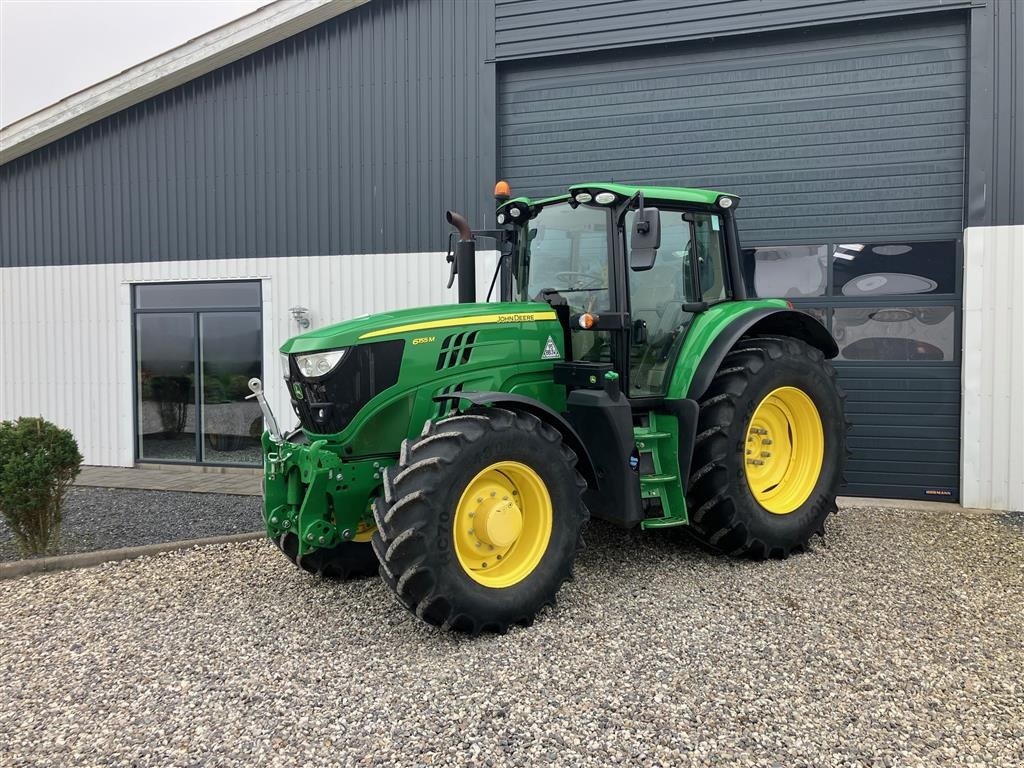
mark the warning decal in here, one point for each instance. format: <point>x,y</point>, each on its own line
<point>550,351</point>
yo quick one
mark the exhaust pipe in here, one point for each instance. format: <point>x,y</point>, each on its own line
<point>458,221</point>
<point>465,257</point>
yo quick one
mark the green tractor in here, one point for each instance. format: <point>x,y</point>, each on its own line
<point>625,374</point>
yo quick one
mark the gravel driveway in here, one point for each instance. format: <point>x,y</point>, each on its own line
<point>896,642</point>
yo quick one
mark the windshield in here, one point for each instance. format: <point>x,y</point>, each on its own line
<point>566,250</point>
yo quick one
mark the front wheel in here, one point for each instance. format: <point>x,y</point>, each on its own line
<point>481,520</point>
<point>347,560</point>
<point>770,449</point>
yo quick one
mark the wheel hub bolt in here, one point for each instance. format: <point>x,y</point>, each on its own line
<point>765,455</point>
<point>755,462</point>
<point>321,540</point>
<point>766,441</point>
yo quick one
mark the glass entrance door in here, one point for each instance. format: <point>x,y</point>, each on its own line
<point>196,347</point>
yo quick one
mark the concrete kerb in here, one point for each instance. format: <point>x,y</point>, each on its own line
<point>89,559</point>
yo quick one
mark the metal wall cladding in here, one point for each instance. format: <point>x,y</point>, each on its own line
<point>351,137</point>
<point>993,385</point>
<point>848,132</point>
<point>526,28</point>
<point>66,331</point>
<point>997,116</point>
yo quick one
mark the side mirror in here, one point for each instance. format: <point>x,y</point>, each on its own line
<point>645,239</point>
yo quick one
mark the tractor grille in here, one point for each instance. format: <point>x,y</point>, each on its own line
<point>329,404</point>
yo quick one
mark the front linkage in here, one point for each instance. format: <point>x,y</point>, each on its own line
<point>312,493</point>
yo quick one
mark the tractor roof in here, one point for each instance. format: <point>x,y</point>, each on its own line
<point>668,194</point>
<point>651,193</point>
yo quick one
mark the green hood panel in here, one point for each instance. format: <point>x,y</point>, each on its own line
<point>417,323</point>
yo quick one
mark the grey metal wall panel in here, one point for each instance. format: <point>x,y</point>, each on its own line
<point>905,433</point>
<point>857,128</point>
<point>996,169</point>
<point>351,137</point>
<point>526,28</point>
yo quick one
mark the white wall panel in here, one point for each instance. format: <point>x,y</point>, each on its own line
<point>992,475</point>
<point>65,331</point>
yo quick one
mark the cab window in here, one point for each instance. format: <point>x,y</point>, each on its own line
<point>566,250</point>
<point>689,267</point>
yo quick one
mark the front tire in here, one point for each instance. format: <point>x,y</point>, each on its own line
<point>770,449</point>
<point>480,521</point>
<point>348,560</point>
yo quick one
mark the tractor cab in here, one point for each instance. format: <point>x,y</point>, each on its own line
<point>629,266</point>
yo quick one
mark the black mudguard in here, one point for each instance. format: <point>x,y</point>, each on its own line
<point>782,322</point>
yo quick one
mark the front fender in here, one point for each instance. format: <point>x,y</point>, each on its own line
<point>585,463</point>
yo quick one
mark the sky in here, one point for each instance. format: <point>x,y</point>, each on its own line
<point>50,49</point>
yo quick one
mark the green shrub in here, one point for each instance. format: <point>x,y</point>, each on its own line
<point>38,463</point>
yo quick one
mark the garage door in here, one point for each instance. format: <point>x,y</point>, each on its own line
<point>847,147</point>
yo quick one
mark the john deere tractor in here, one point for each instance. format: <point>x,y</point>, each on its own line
<point>624,373</point>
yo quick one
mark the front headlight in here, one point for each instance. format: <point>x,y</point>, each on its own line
<point>285,368</point>
<point>319,363</point>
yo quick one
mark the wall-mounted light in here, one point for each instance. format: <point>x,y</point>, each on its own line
<point>301,315</point>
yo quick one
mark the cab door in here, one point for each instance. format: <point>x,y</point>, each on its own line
<point>687,275</point>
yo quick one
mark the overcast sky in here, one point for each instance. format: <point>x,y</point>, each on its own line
<point>50,49</point>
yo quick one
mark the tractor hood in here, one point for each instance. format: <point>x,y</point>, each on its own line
<point>415,323</point>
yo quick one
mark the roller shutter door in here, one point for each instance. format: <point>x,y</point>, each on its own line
<point>847,146</point>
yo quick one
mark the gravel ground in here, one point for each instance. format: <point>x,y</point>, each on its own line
<point>898,641</point>
<point>101,518</point>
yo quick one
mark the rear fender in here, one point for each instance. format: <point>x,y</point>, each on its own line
<point>765,321</point>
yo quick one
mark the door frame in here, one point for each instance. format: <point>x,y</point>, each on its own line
<point>196,312</point>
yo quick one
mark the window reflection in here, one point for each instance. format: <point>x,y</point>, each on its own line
<point>166,387</point>
<point>222,295</point>
<point>895,333</point>
<point>788,271</point>
<point>230,355</point>
<point>886,269</point>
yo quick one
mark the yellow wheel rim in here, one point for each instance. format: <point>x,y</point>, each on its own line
<point>784,449</point>
<point>364,532</point>
<point>502,524</point>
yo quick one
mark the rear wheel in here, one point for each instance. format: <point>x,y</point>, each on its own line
<point>481,520</point>
<point>770,449</point>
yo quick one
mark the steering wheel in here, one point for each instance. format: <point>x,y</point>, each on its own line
<point>580,280</point>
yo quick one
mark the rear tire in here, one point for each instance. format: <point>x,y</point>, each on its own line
<point>443,485</point>
<point>752,510</point>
